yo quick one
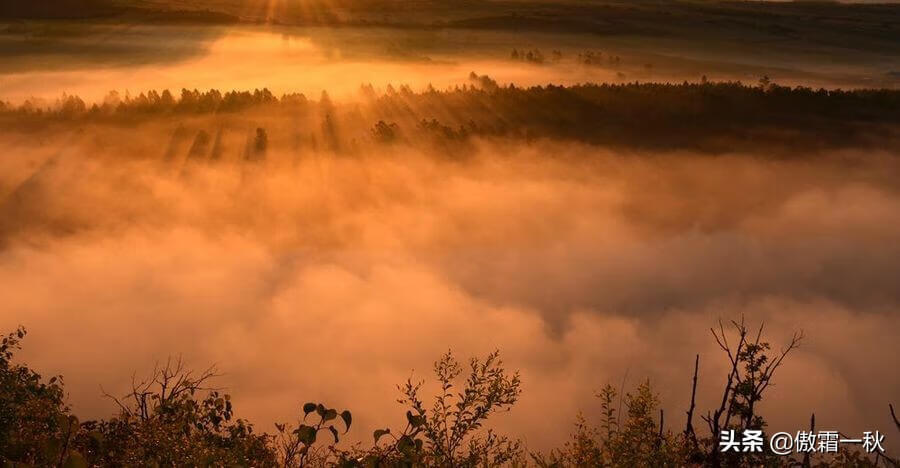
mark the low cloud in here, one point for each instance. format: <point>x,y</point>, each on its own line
<point>334,278</point>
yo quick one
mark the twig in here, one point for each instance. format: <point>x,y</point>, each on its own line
<point>689,428</point>
<point>659,437</point>
<point>894,416</point>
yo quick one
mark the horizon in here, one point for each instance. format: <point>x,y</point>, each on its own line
<point>328,200</point>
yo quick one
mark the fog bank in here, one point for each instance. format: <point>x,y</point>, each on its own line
<point>316,276</point>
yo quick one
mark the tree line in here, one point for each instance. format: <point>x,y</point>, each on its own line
<point>710,116</point>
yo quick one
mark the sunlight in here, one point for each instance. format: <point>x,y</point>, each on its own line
<point>450,234</point>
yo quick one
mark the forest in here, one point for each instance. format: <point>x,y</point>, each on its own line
<point>705,116</point>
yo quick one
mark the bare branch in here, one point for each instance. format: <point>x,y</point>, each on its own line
<point>894,416</point>
<point>689,428</point>
<point>118,403</point>
<point>769,371</point>
<point>659,436</point>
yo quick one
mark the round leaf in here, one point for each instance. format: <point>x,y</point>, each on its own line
<point>414,421</point>
<point>379,433</point>
<point>306,434</point>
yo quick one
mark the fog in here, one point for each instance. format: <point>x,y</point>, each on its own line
<point>43,60</point>
<point>334,265</point>
<point>324,276</point>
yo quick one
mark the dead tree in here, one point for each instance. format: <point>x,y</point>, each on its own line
<point>752,370</point>
<point>165,386</point>
<point>660,437</point>
<point>894,416</point>
<point>689,428</point>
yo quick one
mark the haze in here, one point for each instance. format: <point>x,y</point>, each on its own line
<point>340,264</point>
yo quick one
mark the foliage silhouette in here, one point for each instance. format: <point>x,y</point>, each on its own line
<point>449,434</point>
<point>706,116</point>
<point>174,417</point>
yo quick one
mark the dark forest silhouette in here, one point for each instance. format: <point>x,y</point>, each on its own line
<point>705,116</point>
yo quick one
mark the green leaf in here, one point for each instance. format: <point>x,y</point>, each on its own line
<point>348,419</point>
<point>308,408</point>
<point>320,410</point>
<point>306,434</point>
<point>379,433</point>
<point>329,414</point>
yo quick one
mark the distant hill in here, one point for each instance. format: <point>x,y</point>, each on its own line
<point>85,9</point>
<point>33,9</point>
<point>820,24</point>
